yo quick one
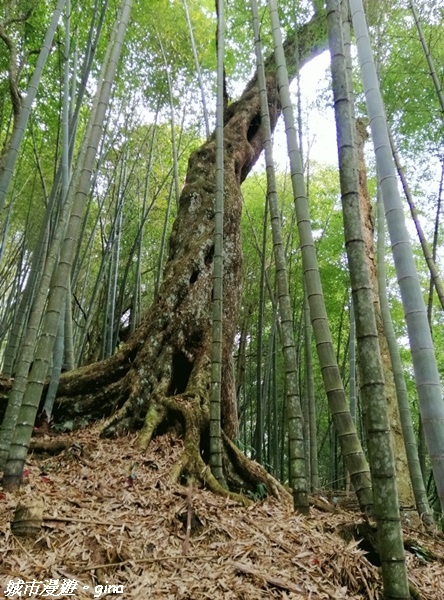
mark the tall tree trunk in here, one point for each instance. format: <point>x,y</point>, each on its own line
<point>162,375</point>
<point>311,399</point>
<point>405,491</point>
<point>296,449</point>
<point>379,443</point>
<point>260,391</point>
<point>218,268</point>
<point>411,447</point>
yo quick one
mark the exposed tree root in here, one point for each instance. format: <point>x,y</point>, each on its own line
<point>189,414</point>
<point>143,403</point>
<point>253,473</point>
<point>49,446</point>
<point>154,418</point>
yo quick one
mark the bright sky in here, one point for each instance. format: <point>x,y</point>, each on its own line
<point>319,127</point>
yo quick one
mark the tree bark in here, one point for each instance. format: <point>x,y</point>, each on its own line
<point>161,378</point>
<point>405,492</point>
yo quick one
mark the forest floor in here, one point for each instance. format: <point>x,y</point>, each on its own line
<point>112,517</point>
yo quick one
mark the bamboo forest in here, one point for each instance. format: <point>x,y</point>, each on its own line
<point>221,299</point>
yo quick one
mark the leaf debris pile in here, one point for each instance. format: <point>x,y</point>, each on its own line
<point>112,516</point>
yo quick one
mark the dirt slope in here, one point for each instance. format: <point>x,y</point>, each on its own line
<point>112,518</point>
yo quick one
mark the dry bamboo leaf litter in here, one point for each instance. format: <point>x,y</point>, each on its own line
<point>113,518</point>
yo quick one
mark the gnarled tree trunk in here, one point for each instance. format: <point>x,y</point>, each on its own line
<point>161,378</point>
